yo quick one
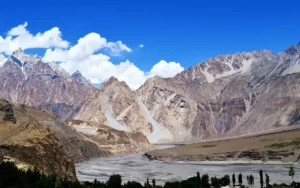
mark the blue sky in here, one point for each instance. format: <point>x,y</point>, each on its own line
<point>182,31</point>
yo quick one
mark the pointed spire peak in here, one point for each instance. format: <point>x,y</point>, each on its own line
<point>110,81</point>
<point>18,51</point>
<point>77,73</point>
<point>113,79</point>
<point>292,50</point>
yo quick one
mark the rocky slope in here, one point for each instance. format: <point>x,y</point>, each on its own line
<point>111,141</point>
<point>225,96</point>
<point>26,79</point>
<point>228,95</point>
<point>26,142</point>
<point>76,146</point>
<point>117,106</point>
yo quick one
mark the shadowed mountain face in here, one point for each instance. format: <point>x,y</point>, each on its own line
<point>228,95</point>
<point>25,79</point>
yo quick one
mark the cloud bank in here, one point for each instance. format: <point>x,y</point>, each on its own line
<point>90,55</point>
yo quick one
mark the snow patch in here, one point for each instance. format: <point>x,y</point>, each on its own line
<point>244,69</point>
<point>294,67</point>
<point>246,65</point>
<point>209,78</point>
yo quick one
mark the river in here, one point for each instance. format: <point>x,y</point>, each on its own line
<point>135,167</point>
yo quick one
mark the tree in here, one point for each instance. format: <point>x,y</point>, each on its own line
<point>261,178</point>
<point>267,180</point>
<point>205,180</point>
<point>114,181</point>
<point>225,180</point>
<point>215,182</point>
<point>240,179</point>
<point>292,172</point>
<point>131,184</point>
<point>251,179</point>
<point>153,183</point>
<point>233,179</point>
<point>147,184</point>
<point>198,180</point>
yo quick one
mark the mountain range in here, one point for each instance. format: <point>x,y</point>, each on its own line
<point>224,96</point>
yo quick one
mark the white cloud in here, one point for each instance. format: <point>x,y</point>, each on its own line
<point>117,47</point>
<point>19,30</point>
<point>165,69</point>
<point>85,56</point>
<point>2,59</point>
<point>20,37</point>
<point>97,67</point>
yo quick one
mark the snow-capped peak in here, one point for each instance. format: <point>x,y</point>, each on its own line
<point>18,52</point>
<point>24,58</point>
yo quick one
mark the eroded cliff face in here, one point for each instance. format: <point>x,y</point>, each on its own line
<point>227,95</point>
<point>111,141</point>
<point>116,106</point>
<point>30,144</point>
<point>26,79</point>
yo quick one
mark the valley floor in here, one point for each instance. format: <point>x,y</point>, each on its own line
<point>274,148</point>
<point>135,167</point>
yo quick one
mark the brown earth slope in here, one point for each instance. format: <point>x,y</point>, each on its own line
<point>26,142</point>
<point>282,147</point>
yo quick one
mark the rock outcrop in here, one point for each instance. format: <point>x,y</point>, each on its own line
<point>26,79</point>
<point>228,95</point>
<point>225,96</point>
<point>111,141</point>
<point>8,112</point>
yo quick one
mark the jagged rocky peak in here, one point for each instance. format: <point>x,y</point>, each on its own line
<point>18,52</point>
<point>78,77</point>
<point>22,59</point>
<point>293,49</point>
<point>113,81</point>
<point>43,85</point>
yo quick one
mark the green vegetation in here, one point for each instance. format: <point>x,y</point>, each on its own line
<point>240,179</point>
<point>261,178</point>
<point>285,144</point>
<point>12,177</point>
<point>266,140</point>
<point>292,172</point>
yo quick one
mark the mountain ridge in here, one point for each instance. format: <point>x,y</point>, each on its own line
<point>215,98</point>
